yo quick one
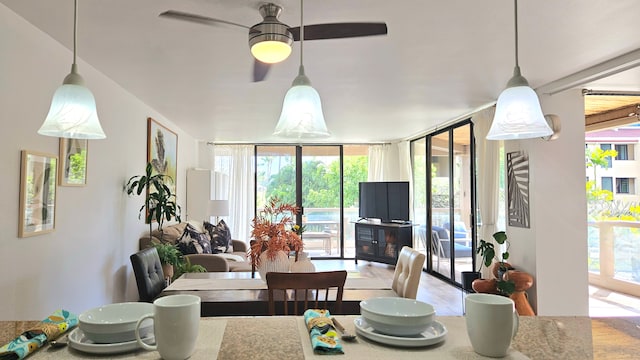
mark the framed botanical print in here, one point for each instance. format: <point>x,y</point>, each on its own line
<point>72,169</point>
<point>162,151</point>
<point>37,193</point>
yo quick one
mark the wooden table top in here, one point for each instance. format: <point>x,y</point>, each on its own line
<point>237,294</point>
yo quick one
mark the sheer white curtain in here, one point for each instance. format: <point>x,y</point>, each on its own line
<point>237,163</point>
<point>487,154</point>
<point>381,160</point>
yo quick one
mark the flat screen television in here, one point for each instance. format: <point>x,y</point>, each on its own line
<point>387,201</point>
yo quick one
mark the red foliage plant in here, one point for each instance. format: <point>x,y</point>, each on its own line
<point>273,231</point>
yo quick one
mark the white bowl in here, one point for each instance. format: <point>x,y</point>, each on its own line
<point>397,316</point>
<point>115,323</point>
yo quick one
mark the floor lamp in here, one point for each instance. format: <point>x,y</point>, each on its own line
<point>218,208</point>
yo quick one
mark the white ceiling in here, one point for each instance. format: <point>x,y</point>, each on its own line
<point>440,60</point>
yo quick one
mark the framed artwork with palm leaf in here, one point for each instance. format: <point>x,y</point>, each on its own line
<point>518,189</point>
<point>162,151</point>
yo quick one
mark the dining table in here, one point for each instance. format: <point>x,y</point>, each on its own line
<point>286,337</point>
<point>238,294</point>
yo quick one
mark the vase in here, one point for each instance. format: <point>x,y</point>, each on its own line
<point>303,264</point>
<point>279,263</point>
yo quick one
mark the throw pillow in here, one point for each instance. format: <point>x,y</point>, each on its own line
<point>220,237</point>
<point>194,242</point>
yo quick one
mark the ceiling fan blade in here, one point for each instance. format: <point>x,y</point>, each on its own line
<point>339,30</point>
<point>179,15</point>
<point>260,70</point>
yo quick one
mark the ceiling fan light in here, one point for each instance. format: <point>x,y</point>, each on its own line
<point>518,116</point>
<point>271,51</point>
<point>301,115</point>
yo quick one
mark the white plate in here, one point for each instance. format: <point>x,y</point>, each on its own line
<point>434,334</point>
<point>79,341</point>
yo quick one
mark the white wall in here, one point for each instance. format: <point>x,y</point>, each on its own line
<point>554,249</point>
<point>85,262</point>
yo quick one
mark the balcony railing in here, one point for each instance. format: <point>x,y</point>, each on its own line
<point>614,255</point>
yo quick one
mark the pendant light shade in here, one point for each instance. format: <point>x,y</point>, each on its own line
<point>518,112</point>
<point>73,108</point>
<point>301,115</point>
<point>301,111</point>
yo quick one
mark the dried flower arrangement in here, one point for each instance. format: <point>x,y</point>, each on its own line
<point>273,231</point>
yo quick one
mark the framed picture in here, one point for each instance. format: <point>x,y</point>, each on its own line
<point>518,189</point>
<point>162,151</point>
<point>37,193</point>
<point>72,169</point>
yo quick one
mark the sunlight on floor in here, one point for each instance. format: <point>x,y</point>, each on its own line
<point>604,302</point>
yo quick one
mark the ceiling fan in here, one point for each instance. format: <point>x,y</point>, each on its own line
<point>274,33</point>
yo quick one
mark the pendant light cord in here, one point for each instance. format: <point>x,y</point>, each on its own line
<point>515,16</point>
<point>301,30</point>
<point>75,29</point>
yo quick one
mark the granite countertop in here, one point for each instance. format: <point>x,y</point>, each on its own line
<point>283,337</point>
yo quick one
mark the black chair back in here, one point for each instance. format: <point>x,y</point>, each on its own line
<point>148,271</point>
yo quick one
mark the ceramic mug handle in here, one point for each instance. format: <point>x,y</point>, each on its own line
<point>516,324</point>
<point>138,339</point>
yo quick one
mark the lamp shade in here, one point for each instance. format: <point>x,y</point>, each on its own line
<point>271,52</point>
<point>72,114</point>
<point>301,115</point>
<point>218,208</point>
<point>518,116</point>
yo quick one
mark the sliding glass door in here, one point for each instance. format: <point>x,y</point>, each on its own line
<point>444,196</point>
<point>323,181</point>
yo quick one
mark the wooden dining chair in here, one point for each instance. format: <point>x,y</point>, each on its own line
<point>306,290</point>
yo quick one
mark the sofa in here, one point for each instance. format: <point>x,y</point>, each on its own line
<point>236,255</point>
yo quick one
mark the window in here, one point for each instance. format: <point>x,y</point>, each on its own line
<point>622,152</point>
<point>625,186</point>
<point>607,183</point>
<point>606,147</point>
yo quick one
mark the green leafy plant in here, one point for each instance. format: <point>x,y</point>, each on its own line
<point>169,253</point>
<point>488,253</point>
<point>185,266</point>
<point>160,202</point>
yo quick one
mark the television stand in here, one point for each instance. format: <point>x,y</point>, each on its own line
<point>382,242</point>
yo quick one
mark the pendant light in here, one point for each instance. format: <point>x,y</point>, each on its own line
<point>518,113</point>
<point>301,115</point>
<point>73,108</point>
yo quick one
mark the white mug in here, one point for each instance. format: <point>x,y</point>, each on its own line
<point>492,322</point>
<point>176,319</point>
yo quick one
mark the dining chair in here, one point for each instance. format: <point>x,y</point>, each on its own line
<point>211,262</point>
<point>406,277</point>
<point>148,272</point>
<point>306,288</point>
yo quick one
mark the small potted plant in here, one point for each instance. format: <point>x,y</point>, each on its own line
<point>488,253</point>
<point>170,257</point>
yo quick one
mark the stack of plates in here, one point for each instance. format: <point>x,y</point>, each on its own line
<point>400,322</point>
<point>110,329</point>
<point>434,334</point>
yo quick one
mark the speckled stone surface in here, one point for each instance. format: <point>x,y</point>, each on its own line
<point>270,338</point>
<point>567,338</point>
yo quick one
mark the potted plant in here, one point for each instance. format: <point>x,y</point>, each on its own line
<point>160,202</point>
<point>185,266</point>
<point>274,236</point>
<point>170,257</point>
<point>488,253</point>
